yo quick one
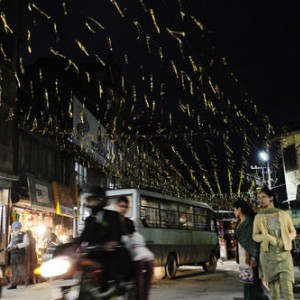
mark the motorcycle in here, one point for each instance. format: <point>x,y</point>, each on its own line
<point>78,276</point>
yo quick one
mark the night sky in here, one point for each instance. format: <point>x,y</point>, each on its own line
<point>199,68</point>
<point>259,39</point>
<point>261,42</point>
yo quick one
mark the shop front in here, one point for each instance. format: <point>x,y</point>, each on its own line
<point>38,213</point>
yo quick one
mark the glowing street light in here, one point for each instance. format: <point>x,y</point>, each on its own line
<point>264,157</point>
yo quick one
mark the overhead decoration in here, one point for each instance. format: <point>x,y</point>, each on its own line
<point>148,72</point>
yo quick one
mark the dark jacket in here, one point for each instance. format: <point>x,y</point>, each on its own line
<point>101,227</point>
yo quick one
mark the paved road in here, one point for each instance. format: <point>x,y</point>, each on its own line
<point>190,284</point>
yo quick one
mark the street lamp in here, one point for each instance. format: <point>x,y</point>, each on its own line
<point>264,156</point>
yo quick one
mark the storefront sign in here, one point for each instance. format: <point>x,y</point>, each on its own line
<point>63,200</point>
<point>88,133</point>
<point>41,194</point>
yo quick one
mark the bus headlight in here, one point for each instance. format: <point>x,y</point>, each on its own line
<point>56,267</point>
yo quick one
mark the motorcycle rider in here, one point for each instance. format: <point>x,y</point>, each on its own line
<point>103,228</point>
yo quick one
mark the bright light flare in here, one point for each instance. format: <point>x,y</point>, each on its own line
<point>264,156</point>
<point>55,267</point>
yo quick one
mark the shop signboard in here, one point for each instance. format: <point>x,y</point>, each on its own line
<point>41,194</point>
<point>88,133</point>
<point>63,200</point>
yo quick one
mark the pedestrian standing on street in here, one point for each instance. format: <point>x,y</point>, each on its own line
<point>17,247</point>
<point>248,251</point>
<point>274,230</point>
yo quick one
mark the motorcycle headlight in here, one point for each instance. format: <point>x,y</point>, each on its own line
<point>55,267</point>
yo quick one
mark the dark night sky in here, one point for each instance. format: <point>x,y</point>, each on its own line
<point>261,42</point>
<point>259,39</point>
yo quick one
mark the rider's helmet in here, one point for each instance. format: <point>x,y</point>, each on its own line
<point>93,197</point>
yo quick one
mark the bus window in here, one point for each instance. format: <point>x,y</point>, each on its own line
<point>169,215</point>
<point>186,217</point>
<point>202,221</point>
<point>149,212</point>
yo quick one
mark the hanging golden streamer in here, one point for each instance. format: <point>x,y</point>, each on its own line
<point>151,83</point>
<point>154,20</point>
<point>174,68</point>
<point>109,43</point>
<point>100,60</point>
<point>3,53</point>
<point>97,23</point>
<point>28,41</point>
<point>7,29</point>
<point>134,93</point>
<point>148,44</point>
<point>81,47</point>
<point>126,58</point>
<point>118,8</point>
<point>170,119</point>
<point>39,10</point>
<point>153,106</point>
<point>182,14</point>
<point>162,89</point>
<point>64,6</point>
<point>195,69</point>
<point>175,34</point>
<point>70,110</point>
<point>71,63</point>
<point>211,85</point>
<point>87,25</point>
<point>146,100</point>
<point>17,79</point>
<point>100,90</point>
<point>47,99</point>
<point>198,23</point>
<point>88,77</point>
<point>31,89</point>
<point>21,65</point>
<point>56,87</point>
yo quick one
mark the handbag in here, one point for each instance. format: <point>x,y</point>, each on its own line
<point>246,274</point>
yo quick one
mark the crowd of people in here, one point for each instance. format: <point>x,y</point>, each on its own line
<point>264,248</point>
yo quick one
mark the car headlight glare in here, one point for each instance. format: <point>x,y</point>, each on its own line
<point>55,267</point>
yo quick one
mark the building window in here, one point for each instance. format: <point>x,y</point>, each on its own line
<point>81,174</point>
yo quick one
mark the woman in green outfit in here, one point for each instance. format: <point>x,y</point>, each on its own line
<point>247,252</point>
<point>274,230</point>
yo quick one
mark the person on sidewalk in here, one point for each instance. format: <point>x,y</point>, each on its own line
<point>17,247</point>
<point>273,228</point>
<point>247,252</point>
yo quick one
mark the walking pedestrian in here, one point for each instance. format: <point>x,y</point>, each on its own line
<point>274,230</point>
<point>248,251</point>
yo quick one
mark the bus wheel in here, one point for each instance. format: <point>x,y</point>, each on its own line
<point>171,267</point>
<point>211,265</point>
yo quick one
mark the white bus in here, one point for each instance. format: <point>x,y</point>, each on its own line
<point>178,231</point>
